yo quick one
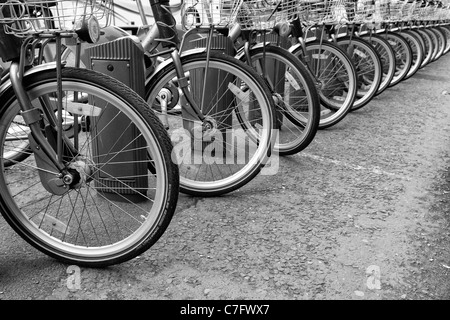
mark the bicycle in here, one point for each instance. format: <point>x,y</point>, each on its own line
<point>331,66</point>
<point>211,103</point>
<point>96,198</point>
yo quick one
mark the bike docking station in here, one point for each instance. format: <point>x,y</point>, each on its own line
<point>122,175</point>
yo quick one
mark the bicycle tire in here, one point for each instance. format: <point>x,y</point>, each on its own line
<point>296,99</point>
<point>427,46</point>
<point>434,42</point>
<point>417,52</point>
<point>403,55</point>
<point>96,220</point>
<point>446,31</point>
<point>441,42</point>
<point>333,83</point>
<point>215,166</point>
<point>368,68</point>
<point>387,57</point>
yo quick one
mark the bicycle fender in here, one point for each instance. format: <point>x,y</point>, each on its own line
<point>299,44</point>
<point>169,61</point>
<point>241,51</point>
<point>6,82</point>
<point>294,47</point>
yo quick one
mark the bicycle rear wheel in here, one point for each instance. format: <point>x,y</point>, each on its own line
<point>234,143</point>
<point>124,188</point>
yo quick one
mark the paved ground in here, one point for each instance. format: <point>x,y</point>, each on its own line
<point>362,213</point>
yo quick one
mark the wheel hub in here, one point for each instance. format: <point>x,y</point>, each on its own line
<point>209,127</point>
<point>80,172</point>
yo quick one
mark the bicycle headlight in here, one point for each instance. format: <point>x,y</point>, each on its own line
<point>88,29</point>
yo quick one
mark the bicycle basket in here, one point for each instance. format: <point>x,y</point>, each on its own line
<point>407,10</point>
<point>197,13</point>
<point>444,13</point>
<point>313,12</point>
<point>264,14</point>
<point>23,18</point>
<point>250,14</point>
<point>387,10</point>
<point>422,11</point>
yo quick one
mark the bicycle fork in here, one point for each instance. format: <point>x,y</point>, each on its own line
<point>54,174</point>
<point>297,33</point>
<point>190,108</point>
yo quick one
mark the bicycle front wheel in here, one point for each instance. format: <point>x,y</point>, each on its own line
<point>124,188</point>
<point>234,142</point>
<point>368,68</point>
<point>296,99</point>
<point>441,42</point>
<point>427,45</point>
<point>403,56</point>
<point>336,74</point>
<point>446,31</point>
<point>387,56</point>
<point>417,52</point>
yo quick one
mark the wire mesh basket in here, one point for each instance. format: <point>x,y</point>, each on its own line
<point>250,14</point>
<point>434,12</point>
<point>423,11</point>
<point>198,13</point>
<point>265,14</point>
<point>360,11</point>
<point>312,12</point>
<point>407,9</point>
<point>389,10</point>
<point>356,11</point>
<point>377,11</point>
<point>23,18</point>
<point>444,13</point>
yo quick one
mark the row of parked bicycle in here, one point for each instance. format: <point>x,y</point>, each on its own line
<point>91,170</point>
<point>321,59</point>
